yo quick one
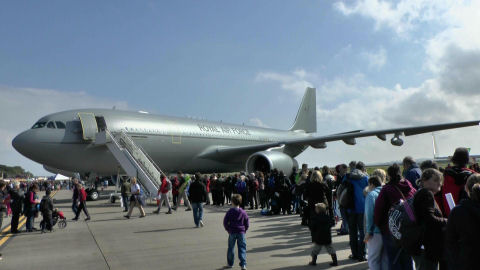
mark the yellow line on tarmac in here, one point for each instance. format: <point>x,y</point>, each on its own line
<point>22,221</point>
<point>8,227</point>
<point>6,237</point>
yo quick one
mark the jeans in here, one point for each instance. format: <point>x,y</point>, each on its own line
<point>82,206</point>
<point>197,212</point>
<point>397,259</point>
<point>357,234</point>
<point>30,218</point>
<point>74,206</point>
<point>344,214</point>
<point>242,248</point>
<point>377,256</point>
<point>125,199</point>
<point>164,198</point>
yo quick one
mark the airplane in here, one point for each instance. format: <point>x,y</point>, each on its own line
<point>438,158</point>
<point>65,141</point>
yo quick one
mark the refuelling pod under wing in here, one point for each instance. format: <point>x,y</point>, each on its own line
<point>266,161</point>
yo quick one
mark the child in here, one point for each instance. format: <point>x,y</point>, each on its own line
<point>46,207</point>
<point>236,224</point>
<point>320,227</point>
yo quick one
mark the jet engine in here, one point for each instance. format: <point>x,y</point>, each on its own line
<point>268,160</point>
<point>396,141</point>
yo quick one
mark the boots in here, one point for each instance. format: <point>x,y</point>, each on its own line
<point>334,260</point>
<point>314,260</point>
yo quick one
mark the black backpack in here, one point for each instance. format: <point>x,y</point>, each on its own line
<point>403,225</point>
<point>43,205</point>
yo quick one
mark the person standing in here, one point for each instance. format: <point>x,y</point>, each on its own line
<point>320,229</point>
<point>455,178</point>
<point>429,215</point>
<point>397,188</point>
<point>236,223</point>
<point>136,198</point>
<point>182,191</point>
<point>358,179</point>
<point>16,202</point>
<point>377,257</point>
<point>241,188</point>
<point>164,189</point>
<point>3,206</point>
<point>75,195</point>
<point>198,195</point>
<point>82,198</point>
<point>175,189</point>
<point>341,184</point>
<point>31,201</point>
<point>125,191</point>
<point>46,207</point>
<point>463,235</point>
<point>411,171</point>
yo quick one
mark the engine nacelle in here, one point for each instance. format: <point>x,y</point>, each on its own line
<point>396,141</point>
<point>266,161</point>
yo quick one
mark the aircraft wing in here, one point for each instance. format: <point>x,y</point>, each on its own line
<point>225,153</point>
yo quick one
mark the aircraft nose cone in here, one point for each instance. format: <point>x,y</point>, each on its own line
<point>20,143</point>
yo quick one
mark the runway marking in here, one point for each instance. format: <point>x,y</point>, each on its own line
<point>21,222</point>
<point>6,237</point>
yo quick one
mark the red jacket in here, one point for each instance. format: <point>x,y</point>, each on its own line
<point>164,187</point>
<point>454,180</point>
<point>83,195</point>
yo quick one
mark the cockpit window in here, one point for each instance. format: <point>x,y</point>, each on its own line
<point>60,125</point>
<point>50,125</point>
<point>39,125</point>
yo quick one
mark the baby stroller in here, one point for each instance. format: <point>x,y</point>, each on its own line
<point>57,217</point>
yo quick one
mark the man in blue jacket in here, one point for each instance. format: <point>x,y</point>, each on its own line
<point>358,179</point>
<point>411,171</point>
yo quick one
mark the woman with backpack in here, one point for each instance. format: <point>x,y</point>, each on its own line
<point>396,189</point>
<point>30,210</point>
<point>463,234</point>
<point>429,217</point>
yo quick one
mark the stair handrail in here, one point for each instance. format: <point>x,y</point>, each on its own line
<point>117,143</point>
<point>129,143</point>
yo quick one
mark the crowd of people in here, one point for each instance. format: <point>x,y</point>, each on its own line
<point>444,205</point>
<point>421,217</point>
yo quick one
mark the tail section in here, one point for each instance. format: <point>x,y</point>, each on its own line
<point>307,114</point>
<point>435,150</point>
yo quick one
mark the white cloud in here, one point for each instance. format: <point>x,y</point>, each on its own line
<point>20,108</point>
<point>401,16</point>
<point>295,82</point>
<point>376,59</point>
<point>258,122</point>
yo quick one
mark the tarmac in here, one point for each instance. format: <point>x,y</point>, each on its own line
<point>109,241</point>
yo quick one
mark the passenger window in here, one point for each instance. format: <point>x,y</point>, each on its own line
<point>60,125</point>
<point>50,125</point>
<point>39,125</point>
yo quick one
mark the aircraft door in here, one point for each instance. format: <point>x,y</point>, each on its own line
<point>89,125</point>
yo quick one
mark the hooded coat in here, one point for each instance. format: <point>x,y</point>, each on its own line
<point>320,229</point>
<point>388,197</point>
<point>463,235</point>
<point>454,180</point>
<point>359,181</point>
<point>429,214</point>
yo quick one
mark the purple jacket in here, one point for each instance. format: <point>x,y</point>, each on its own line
<point>236,221</point>
<point>388,197</point>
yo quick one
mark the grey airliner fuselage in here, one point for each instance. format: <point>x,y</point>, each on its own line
<point>173,143</point>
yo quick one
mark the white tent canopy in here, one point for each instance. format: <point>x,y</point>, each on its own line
<point>60,177</point>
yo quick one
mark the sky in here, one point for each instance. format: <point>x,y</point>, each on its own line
<point>375,64</point>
